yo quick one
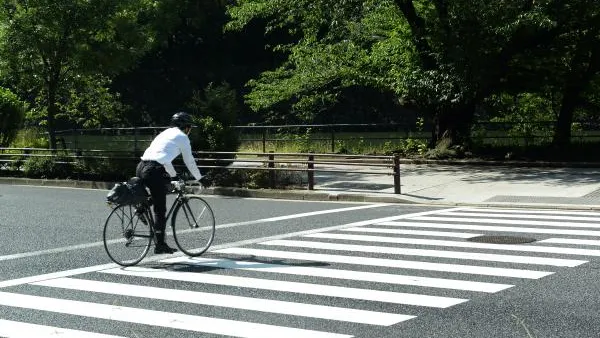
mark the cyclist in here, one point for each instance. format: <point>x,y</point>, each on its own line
<point>156,170</point>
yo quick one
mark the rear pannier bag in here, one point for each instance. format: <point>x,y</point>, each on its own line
<point>128,193</point>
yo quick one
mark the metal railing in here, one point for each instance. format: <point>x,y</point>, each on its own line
<point>308,163</point>
<point>334,137</point>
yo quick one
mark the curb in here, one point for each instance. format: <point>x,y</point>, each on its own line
<point>525,164</point>
<point>303,195</point>
<point>57,183</point>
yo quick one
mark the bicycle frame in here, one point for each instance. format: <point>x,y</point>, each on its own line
<point>149,216</point>
<point>193,244</point>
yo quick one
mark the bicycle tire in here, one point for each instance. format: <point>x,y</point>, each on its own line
<point>126,237</point>
<point>193,225</point>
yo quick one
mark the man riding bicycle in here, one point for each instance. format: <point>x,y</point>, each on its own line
<point>156,170</point>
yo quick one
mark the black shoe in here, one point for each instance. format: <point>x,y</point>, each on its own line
<point>164,249</point>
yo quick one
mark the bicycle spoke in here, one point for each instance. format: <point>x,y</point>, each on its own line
<point>193,226</point>
<point>126,238</point>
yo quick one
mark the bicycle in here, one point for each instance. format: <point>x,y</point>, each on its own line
<point>129,229</point>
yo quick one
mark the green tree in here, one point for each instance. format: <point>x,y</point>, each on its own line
<point>216,110</point>
<point>11,116</point>
<point>444,58</point>
<point>191,52</point>
<point>45,45</point>
<point>579,44</point>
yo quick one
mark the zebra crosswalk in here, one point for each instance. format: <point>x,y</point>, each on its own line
<point>338,282</point>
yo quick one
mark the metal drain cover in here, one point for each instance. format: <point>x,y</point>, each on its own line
<point>501,239</point>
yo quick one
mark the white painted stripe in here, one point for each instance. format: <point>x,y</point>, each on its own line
<point>571,241</point>
<point>59,274</point>
<point>442,283</point>
<point>414,232</point>
<point>221,226</point>
<point>430,253</point>
<point>12,329</point>
<point>392,263</point>
<point>532,211</point>
<point>492,228</point>
<point>25,280</point>
<point>522,216</point>
<point>157,318</point>
<point>236,302</point>
<point>507,221</point>
<point>295,287</point>
<point>473,245</point>
<point>301,215</point>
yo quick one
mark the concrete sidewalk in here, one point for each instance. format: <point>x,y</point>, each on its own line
<point>439,184</point>
<point>475,184</point>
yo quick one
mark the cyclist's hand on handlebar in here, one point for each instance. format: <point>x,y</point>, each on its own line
<point>177,185</point>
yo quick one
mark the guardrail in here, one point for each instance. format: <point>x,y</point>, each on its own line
<point>309,163</point>
<point>336,138</point>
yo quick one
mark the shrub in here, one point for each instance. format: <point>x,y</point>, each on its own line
<point>47,167</point>
<point>444,150</point>
<point>105,169</point>
<point>256,179</point>
<point>30,137</point>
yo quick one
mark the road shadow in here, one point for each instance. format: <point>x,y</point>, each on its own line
<point>490,174</point>
<point>355,179</point>
<point>222,262</point>
<point>423,197</point>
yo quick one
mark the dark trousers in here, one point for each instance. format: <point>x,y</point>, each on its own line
<point>156,178</point>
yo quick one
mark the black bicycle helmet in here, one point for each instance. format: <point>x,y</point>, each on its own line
<point>181,120</point>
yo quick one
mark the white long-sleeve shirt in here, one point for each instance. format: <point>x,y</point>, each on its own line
<point>166,146</point>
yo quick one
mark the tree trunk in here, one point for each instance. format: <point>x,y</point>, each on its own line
<point>453,125</point>
<point>576,82</point>
<point>562,130</point>
<point>51,115</point>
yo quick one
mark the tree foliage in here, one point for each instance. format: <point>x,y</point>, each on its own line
<point>11,116</point>
<point>47,45</point>
<point>444,58</point>
<point>216,110</point>
<point>103,63</point>
<point>191,52</point>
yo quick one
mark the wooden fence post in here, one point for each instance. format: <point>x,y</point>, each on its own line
<point>271,166</point>
<point>311,173</point>
<point>332,140</point>
<point>396,174</point>
<point>136,152</point>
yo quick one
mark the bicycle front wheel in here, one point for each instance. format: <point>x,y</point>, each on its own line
<point>127,237</point>
<point>193,225</point>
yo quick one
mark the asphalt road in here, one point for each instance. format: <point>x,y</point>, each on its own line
<point>290,268</point>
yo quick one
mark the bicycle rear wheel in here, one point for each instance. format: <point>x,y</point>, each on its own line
<point>193,225</point>
<point>126,237</point>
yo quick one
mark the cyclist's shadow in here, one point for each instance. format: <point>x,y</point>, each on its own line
<point>241,262</point>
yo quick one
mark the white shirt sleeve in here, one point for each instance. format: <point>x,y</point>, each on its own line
<point>170,169</point>
<point>188,158</point>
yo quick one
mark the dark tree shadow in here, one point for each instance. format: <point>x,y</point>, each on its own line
<point>224,262</point>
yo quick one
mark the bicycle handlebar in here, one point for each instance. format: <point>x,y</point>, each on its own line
<point>180,185</point>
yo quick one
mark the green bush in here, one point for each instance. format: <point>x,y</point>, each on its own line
<point>256,179</point>
<point>30,137</point>
<point>105,169</point>
<point>12,112</point>
<point>48,167</point>
<point>62,167</point>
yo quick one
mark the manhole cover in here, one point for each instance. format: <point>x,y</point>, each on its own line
<point>501,239</point>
